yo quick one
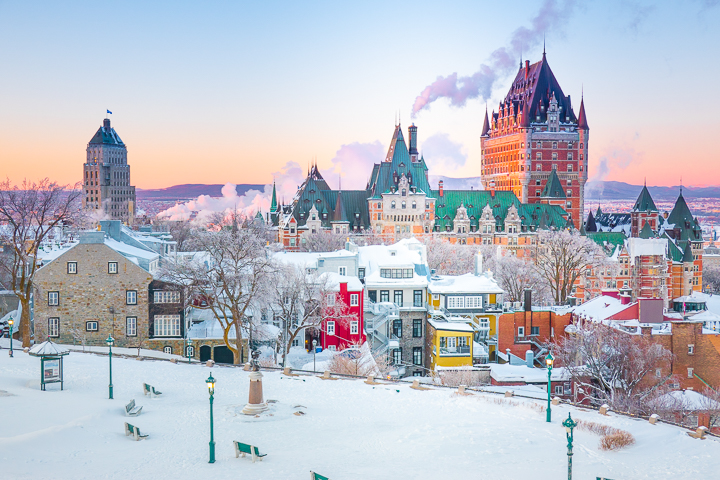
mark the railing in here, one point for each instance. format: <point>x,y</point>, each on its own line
<point>462,350</point>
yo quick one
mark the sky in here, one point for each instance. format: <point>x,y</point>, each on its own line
<point>242,92</point>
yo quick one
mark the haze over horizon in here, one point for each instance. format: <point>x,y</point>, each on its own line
<point>211,93</point>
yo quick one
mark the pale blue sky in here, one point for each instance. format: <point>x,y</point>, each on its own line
<point>208,92</point>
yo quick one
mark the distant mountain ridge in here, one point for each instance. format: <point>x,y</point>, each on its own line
<point>192,190</point>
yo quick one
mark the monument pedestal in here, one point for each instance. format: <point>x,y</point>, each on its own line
<point>256,403</point>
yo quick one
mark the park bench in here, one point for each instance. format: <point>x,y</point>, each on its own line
<point>241,448</point>
<point>317,476</point>
<point>150,390</point>
<point>134,431</point>
<point>131,410</point>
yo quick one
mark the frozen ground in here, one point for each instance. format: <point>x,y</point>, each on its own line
<point>350,430</point>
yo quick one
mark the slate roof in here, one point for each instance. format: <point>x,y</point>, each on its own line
<point>688,255</point>
<point>582,118</point>
<point>590,224</point>
<point>106,135</point>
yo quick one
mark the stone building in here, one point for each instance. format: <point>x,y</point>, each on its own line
<point>533,133</point>
<point>106,176</point>
<point>90,292</point>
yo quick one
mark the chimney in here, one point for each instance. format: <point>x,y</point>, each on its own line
<point>528,299</point>
<point>412,134</point>
<point>478,264</point>
<point>106,123</point>
<point>440,187</point>
<point>527,68</point>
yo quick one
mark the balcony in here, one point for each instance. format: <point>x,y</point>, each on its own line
<point>455,351</point>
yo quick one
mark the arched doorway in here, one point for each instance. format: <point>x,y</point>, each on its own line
<point>222,354</point>
<point>205,353</point>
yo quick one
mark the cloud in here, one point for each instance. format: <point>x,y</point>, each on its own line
<point>552,16</point>
<point>354,162</point>
<point>615,159</point>
<point>442,154</point>
<point>287,181</point>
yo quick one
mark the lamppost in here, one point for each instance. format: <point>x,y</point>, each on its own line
<point>569,425</point>
<point>187,349</point>
<point>110,341</point>
<point>211,388</point>
<point>314,350</point>
<point>549,361</point>
<point>11,322</point>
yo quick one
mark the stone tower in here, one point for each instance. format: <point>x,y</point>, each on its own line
<point>106,176</point>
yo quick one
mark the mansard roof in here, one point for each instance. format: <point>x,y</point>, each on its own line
<point>688,255</point>
<point>644,202</point>
<point>106,135</point>
<point>608,240</point>
<point>553,187</point>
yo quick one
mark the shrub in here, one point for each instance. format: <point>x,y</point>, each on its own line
<point>612,438</point>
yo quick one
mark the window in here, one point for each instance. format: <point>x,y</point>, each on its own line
<point>455,302</point>
<point>534,330</point>
<point>691,349</point>
<point>414,205</point>
<point>417,298</point>
<point>112,267</point>
<point>53,327</point>
<point>404,205</point>
<point>91,326</point>
<point>538,167</point>
<point>417,328</point>
<point>554,144</point>
<point>436,296</point>
<point>397,328</point>
<point>354,299</point>
<point>331,327</point>
<point>392,204</point>
<point>331,300</point>
<point>384,295</point>
<point>166,296</point>
<point>397,356</point>
<point>361,273</point>
<point>342,270</point>
<point>167,325</point>
<point>558,389</point>
<point>131,326</point>
<point>131,297</point>
<point>167,349</point>
<point>417,373</point>
<point>354,327</point>
<point>658,372</point>
<point>398,297</point>
<point>53,299</point>
<point>690,373</point>
<point>521,331</point>
<point>332,348</point>
<point>476,301</point>
<point>417,355</point>
<point>71,267</point>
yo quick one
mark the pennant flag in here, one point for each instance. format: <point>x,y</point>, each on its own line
<point>109,112</point>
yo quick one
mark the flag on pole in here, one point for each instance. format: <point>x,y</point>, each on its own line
<point>109,112</point>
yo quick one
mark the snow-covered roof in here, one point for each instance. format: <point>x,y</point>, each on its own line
<point>309,259</point>
<point>334,279</point>
<point>467,283</point>
<point>48,349</point>
<point>695,297</point>
<point>691,399</point>
<point>504,372</point>
<point>451,326</point>
<point>599,308</point>
<point>706,316</point>
<point>646,246</point>
<point>130,251</point>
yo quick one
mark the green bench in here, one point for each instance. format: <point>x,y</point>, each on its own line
<point>317,476</point>
<point>241,448</point>
<point>131,410</point>
<point>150,390</point>
<point>134,431</point>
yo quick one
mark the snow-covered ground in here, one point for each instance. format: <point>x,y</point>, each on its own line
<point>350,430</point>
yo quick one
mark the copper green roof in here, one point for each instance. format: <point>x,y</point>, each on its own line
<point>682,219</point>
<point>644,202</point>
<point>553,187</point>
<point>273,204</point>
<point>608,240</point>
<point>688,255</point>
<point>590,225</point>
<point>674,252</point>
<point>647,231</point>
<point>106,135</point>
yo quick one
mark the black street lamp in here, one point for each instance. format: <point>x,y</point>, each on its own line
<point>569,425</point>
<point>110,341</point>
<point>211,388</point>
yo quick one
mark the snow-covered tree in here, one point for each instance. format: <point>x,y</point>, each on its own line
<point>358,360</point>
<point>232,273</point>
<point>614,367</point>
<point>564,257</point>
<point>515,274</point>
<point>303,300</point>
<point>28,214</point>
<point>711,277</point>
<point>448,258</point>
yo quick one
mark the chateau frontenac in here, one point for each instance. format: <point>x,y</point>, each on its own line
<point>519,195</point>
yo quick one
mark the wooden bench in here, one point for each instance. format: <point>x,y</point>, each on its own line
<point>131,410</point>
<point>241,448</point>
<point>317,476</point>
<point>134,431</point>
<point>150,390</point>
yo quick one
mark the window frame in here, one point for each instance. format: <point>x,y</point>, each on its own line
<point>131,321</point>
<point>418,298</point>
<point>169,323</point>
<point>397,327</point>
<point>417,356</point>
<point>72,268</point>
<point>131,294</point>
<point>56,301</point>
<point>354,327</point>
<point>110,264</point>
<point>384,296</point>
<point>417,328</point>
<point>89,326</point>
<point>330,327</point>
<point>521,331</point>
<point>53,327</point>
<point>398,294</point>
<point>354,299</point>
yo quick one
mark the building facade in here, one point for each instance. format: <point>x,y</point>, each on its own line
<point>106,176</point>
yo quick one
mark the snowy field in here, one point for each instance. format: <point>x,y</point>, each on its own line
<point>350,430</point>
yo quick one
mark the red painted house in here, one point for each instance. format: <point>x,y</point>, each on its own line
<point>344,325</point>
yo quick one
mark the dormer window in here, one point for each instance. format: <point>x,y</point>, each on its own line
<point>324,215</point>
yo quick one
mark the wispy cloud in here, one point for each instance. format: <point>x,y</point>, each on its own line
<point>442,154</point>
<point>354,162</point>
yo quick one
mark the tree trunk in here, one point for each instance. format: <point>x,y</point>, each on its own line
<point>25,321</point>
<point>237,353</point>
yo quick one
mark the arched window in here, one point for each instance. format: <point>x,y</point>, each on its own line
<point>414,205</point>
<point>392,204</point>
<point>404,205</point>
<point>404,192</point>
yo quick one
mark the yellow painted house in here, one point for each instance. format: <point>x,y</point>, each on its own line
<point>450,344</point>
